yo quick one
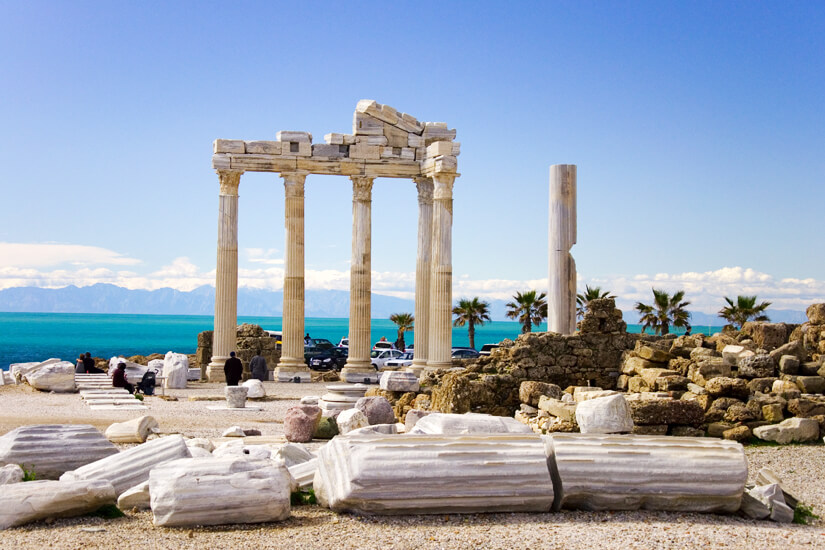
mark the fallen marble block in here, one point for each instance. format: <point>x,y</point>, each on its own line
<point>237,448</point>
<point>351,419</point>
<point>788,431</point>
<point>399,381</point>
<point>19,371</point>
<point>201,442</point>
<point>22,503</point>
<point>234,431</point>
<point>303,474</point>
<point>52,449</point>
<point>376,429</point>
<point>215,491</point>
<point>412,417</point>
<point>176,370</point>
<point>468,423</point>
<point>131,467</point>
<point>292,454</point>
<point>624,472</point>
<point>135,497</point>
<point>199,452</point>
<point>235,396</point>
<point>11,473</point>
<point>255,388</point>
<point>132,431</point>
<point>771,497</point>
<point>604,415</point>
<point>434,474</point>
<point>58,377</point>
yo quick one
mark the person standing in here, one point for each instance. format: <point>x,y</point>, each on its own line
<point>233,370</point>
<point>258,368</point>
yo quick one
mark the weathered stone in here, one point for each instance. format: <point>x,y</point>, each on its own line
<point>637,384</point>
<point>683,345</point>
<point>351,419</point>
<point>738,412</point>
<point>816,314</point>
<point>766,335</point>
<point>233,431</point>
<point>756,366</point>
<point>327,428</point>
<point>772,412</point>
<point>652,429</point>
<point>761,385</point>
<point>399,381</point>
<point>610,414</point>
<point>795,349</point>
<point>716,429</point>
<point>653,354</point>
<point>52,449</point>
<point>805,408</point>
<point>704,354</point>
<point>772,498</point>
<point>136,497</point>
<point>57,377</point>
<point>176,370</point>
<point>753,508</point>
<point>706,369</point>
<point>686,413</point>
<point>739,433</point>
<point>11,473</point>
<point>810,368</point>
<point>22,503</point>
<point>132,431</point>
<point>254,388</point>
<point>789,431</point>
<point>235,396</point>
<point>300,423</point>
<point>672,383</point>
<point>377,410</point>
<point>383,474</point>
<point>687,431</point>
<point>412,417</point>
<point>131,467</point>
<point>634,365</point>
<point>530,392</point>
<point>724,386</point>
<point>811,384</point>
<point>785,389</point>
<point>558,408</point>
<point>650,375</point>
<point>731,353</point>
<point>215,491</point>
<point>469,423</point>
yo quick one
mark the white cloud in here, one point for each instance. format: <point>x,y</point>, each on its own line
<point>34,255</point>
<point>263,256</point>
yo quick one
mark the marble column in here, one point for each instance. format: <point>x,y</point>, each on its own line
<point>423,266</point>
<point>441,281</point>
<point>292,365</point>
<point>226,275</point>
<point>359,367</point>
<point>561,298</point>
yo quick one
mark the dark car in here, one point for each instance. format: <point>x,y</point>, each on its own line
<point>328,359</point>
<point>320,343</point>
<point>465,353</point>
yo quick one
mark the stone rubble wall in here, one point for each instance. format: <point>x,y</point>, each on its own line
<point>250,340</point>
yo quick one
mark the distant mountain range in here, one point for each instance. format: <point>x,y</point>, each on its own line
<point>106,298</point>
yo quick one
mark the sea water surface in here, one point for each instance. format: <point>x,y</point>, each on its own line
<point>38,336</point>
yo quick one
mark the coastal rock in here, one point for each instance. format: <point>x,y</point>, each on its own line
<point>724,386</point>
<point>11,473</point>
<point>300,423</point>
<point>235,396</point>
<point>52,449</point>
<point>377,410</point>
<point>466,474</point>
<point>766,335</point>
<point>131,467</point>
<point>255,388</point>
<point>351,419</point>
<point>58,377</point>
<point>135,497</point>
<point>399,381</point>
<point>216,491</point>
<point>699,373</point>
<point>604,415</point>
<point>22,503</point>
<point>791,430</point>
<point>795,349</point>
<point>176,370</point>
<point>132,431</point>
<point>468,423</point>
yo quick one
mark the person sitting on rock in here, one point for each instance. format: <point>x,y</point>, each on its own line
<point>80,366</point>
<point>89,364</point>
<point>258,368</point>
<point>119,378</point>
<point>233,370</point>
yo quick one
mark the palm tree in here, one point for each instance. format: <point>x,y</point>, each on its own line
<point>405,323</point>
<point>594,293</point>
<point>530,309</point>
<point>744,310</point>
<point>666,310</point>
<point>471,313</point>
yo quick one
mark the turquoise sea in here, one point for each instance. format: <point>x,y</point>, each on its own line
<point>38,336</point>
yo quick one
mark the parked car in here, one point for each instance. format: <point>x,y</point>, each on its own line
<point>321,343</point>
<point>403,360</point>
<point>329,359</point>
<point>487,348</point>
<point>278,335</point>
<point>383,344</point>
<point>378,357</point>
<point>464,353</point>
<point>344,343</point>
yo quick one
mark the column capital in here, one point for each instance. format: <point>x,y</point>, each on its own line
<point>294,183</point>
<point>229,180</point>
<point>443,186</point>
<point>362,188</point>
<point>425,189</point>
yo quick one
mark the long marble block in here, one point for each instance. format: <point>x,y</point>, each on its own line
<point>51,449</point>
<point>434,474</point>
<point>23,503</point>
<point>215,491</point>
<point>468,423</point>
<point>131,467</point>
<point>625,472</point>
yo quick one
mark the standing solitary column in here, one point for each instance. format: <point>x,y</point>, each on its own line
<point>561,299</point>
<point>423,265</point>
<point>292,363</point>
<point>441,282</point>
<point>358,362</point>
<point>226,275</point>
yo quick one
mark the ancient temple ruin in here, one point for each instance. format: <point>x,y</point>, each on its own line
<point>383,143</point>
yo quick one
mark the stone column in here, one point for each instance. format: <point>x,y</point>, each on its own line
<point>358,365</point>
<point>292,363</point>
<point>561,298</point>
<point>441,282</point>
<point>226,275</point>
<point>423,266</point>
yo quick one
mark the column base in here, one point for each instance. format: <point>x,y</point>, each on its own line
<point>359,375</point>
<point>435,365</point>
<point>214,370</point>
<point>292,372</point>
<point>416,369</point>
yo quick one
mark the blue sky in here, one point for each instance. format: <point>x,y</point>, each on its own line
<point>698,130</point>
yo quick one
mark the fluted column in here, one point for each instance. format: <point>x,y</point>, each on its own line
<point>423,266</point>
<point>561,298</point>
<point>441,282</point>
<point>292,363</point>
<point>226,275</point>
<point>358,364</point>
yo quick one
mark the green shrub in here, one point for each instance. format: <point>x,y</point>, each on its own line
<point>300,497</point>
<point>28,474</point>
<point>803,513</point>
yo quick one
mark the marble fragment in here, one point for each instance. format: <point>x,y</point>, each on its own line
<point>135,497</point>
<point>22,503</point>
<point>792,430</point>
<point>399,381</point>
<point>57,377</point>
<point>469,423</point>
<point>604,415</point>
<point>351,419</point>
<point>132,431</point>
<point>235,396</point>
<point>175,369</point>
<point>11,473</point>
<point>255,388</point>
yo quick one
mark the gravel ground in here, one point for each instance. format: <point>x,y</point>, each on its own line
<point>802,468</point>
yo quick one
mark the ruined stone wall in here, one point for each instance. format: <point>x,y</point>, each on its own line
<point>249,341</point>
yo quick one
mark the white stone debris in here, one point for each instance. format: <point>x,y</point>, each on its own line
<point>199,452</point>
<point>375,429</point>
<point>731,354</point>
<point>215,491</point>
<point>201,442</point>
<point>399,381</point>
<point>49,450</point>
<point>310,400</point>
<point>57,377</point>
<point>131,467</point>
<point>621,472</point>
<point>234,431</point>
<point>304,473</point>
<point>176,370</point>
<point>23,503</point>
<point>237,448</point>
<point>468,423</point>
<point>604,415</point>
<point>235,396</point>
<point>132,431</point>
<point>20,370</point>
<point>135,497</point>
<point>292,454</point>
<point>792,430</point>
<point>255,388</point>
<point>340,397</point>
<point>11,473</point>
<point>463,474</point>
<point>351,419</point>
<point>772,499</point>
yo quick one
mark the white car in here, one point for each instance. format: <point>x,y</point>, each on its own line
<point>379,358</point>
<point>344,343</point>
<point>382,345</point>
<point>403,360</point>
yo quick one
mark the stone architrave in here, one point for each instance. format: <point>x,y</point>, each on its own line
<point>441,278</point>
<point>226,275</point>
<point>358,364</point>
<point>561,298</point>
<point>292,365</point>
<point>423,275</point>
<point>23,503</point>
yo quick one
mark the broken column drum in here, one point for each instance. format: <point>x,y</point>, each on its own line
<point>383,143</point>
<point>561,298</point>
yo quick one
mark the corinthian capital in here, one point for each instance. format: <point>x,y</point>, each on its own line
<point>294,183</point>
<point>425,190</point>
<point>443,189</point>
<point>229,181</point>
<point>362,188</point>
